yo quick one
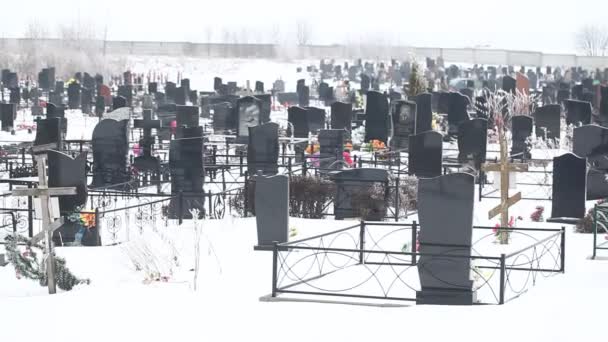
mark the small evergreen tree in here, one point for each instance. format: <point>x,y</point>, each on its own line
<point>417,83</point>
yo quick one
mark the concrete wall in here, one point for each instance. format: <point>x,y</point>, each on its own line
<point>472,56</point>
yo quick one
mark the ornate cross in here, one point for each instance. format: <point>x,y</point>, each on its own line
<point>43,192</point>
<point>147,124</point>
<point>504,167</point>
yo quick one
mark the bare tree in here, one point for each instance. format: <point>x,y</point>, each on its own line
<point>592,40</point>
<point>303,32</point>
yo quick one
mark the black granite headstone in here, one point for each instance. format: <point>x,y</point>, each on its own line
<point>446,280</point>
<point>331,144</point>
<point>119,102</point>
<point>224,118</point>
<point>187,173</point>
<point>263,149</point>
<point>272,209</point>
<point>350,182</point>
<point>74,95</point>
<point>86,100</point>
<point>377,117</point>
<point>578,112</point>
<point>569,187</point>
<point>425,154</point>
<point>457,112</point>
<point>521,131</point>
<point>316,119</point>
<point>472,140</point>
<point>110,153</point>
<point>404,124</point>
<point>49,131</point>
<point>509,84</point>
<point>8,113</point>
<point>249,111</point>
<point>298,117</point>
<point>591,142</point>
<point>424,112</point>
<point>547,119</point>
<point>341,115</point>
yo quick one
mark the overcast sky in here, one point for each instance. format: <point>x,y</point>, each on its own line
<point>547,26</point>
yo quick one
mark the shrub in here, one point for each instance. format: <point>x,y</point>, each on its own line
<point>586,224</point>
<point>308,197</point>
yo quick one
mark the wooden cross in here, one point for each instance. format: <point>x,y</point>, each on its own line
<point>504,167</point>
<point>43,192</point>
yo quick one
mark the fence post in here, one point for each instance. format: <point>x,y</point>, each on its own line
<point>563,250</point>
<point>246,195</point>
<point>304,165</point>
<point>30,215</point>
<point>210,204</point>
<point>480,185</point>
<point>275,256</point>
<point>289,166</point>
<point>501,299</point>
<point>241,162</point>
<point>397,198</point>
<point>361,242</point>
<point>355,161</point>
<point>594,231</point>
<point>284,145</point>
<point>414,242</point>
<point>98,227</point>
<point>180,205</point>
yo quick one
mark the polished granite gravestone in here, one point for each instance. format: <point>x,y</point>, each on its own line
<point>8,113</point>
<point>446,280</point>
<point>304,96</point>
<point>224,117</point>
<point>331,148</point>
<point>259,87</point>
<point>404,124</point>
<point>271,209</point>
<point>357,181</point>
<point>549,95</point>
<point>86,98</point>
<point>521,131</point>
<point>49,133</point>
<point>166,113</point>
<point>316,119</point>
<point>547,118</point>
<point>146,161</point>
<point>14,95</point>
<point>65,171</point>
<point>425,154</point>
<point>457,112</point>
<point>74,95</point>
<point>578,112</point>
<point>266,102</point>
<point>187,116</point>
<point>119,102</point>
<point>248,111</point>
<point>298,117</point>
<point>288,99</point>
<point>170,92</point>
<point>472,142</point>
<point>110,153</point>
<point>377,116</point>
<point>604,102</point>
<point>509,84</point>
<point>591,142</point>
<point>569,188</point>
<point>152,87</point>
<point>181,96</point>
<point>187,173</point>
<point>365,83</point>
<point>341,115</point>
<point>424,112</point>
<point>443,102</point>
<point>263,149</point>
